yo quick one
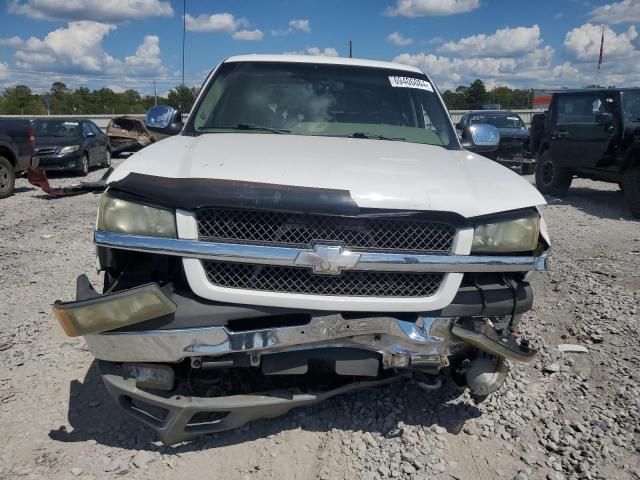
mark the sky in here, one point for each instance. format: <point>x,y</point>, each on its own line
<point>122,44</point>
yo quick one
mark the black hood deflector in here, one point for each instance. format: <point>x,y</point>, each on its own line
<point>193,193</point>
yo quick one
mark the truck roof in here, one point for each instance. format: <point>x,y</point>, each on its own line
<point>323,60</point>
<point>583,90</point>
<point>491,112</point>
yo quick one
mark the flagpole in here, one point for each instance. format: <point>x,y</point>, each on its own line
<point>600,58</point>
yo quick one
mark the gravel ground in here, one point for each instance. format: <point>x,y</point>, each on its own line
<point>570,415</point>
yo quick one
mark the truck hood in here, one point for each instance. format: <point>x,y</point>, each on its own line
<point>377,173</point>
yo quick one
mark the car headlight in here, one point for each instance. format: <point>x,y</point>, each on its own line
<point>69,149</point>
<point>123,216</point>
<point>503,236</point>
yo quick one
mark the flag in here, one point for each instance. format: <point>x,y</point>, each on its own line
<point>601,49</point>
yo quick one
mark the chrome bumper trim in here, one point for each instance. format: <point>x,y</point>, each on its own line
<point>284,256</point>
<point>398,341</point>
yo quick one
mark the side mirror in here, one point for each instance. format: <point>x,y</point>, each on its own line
<point>164,120</point>
<point>605,118</point>
<point>459,126</point>
<point>481,137</point>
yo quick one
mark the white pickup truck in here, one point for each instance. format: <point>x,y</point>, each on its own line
<point>316,228</point>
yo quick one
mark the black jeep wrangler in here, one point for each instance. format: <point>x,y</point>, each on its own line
<point>594,134</point>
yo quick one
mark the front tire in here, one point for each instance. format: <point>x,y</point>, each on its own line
<point>83,168</point>
<point>631,189</point>
<point>7,178</point>
<point>551,178</point>
<point>107,159</point>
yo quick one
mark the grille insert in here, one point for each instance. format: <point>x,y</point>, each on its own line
<point>301,230</point>
<point>300,280</point>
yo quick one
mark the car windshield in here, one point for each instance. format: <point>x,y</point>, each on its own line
<point>631,105</point>
<point>498,121</point>
<point>323,100</point>
<point>56,128</point>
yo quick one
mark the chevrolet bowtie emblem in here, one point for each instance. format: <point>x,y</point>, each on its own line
<point>327,259</point>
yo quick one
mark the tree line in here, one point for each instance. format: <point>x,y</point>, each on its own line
<point>61,100</point>
<point>475,96</point>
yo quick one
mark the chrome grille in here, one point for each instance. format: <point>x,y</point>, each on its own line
<point>46,150</point>
<point>301,230</point>
<point>271,278</point>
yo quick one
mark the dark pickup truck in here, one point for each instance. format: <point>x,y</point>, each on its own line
<point>590,133</point>
<point>513,149</point>
<point>17,143</point>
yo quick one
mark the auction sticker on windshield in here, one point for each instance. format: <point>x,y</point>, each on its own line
<point>410,82</point>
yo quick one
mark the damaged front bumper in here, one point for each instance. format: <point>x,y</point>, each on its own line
<point>143,332</point>
<point>179,418</point>
<point>403,341</point>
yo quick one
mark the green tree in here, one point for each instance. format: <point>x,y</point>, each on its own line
<point>476,94</point>
<point>182,97</point>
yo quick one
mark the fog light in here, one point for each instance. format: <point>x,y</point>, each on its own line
<point>114,310</point>
<point>149,375</point>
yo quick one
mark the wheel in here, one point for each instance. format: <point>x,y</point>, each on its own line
<point>7,178</point>
<point>528,168</point>
<point>552,178</point>
<point>631,189</point>
<point>107,159</point>
<point>83,168</point>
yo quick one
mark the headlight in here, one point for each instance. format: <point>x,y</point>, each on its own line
<point>122,216</point>
<point>69,149</point>
<point>517,235</point>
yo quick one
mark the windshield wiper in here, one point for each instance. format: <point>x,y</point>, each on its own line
<point>376,136</point>
<point>252,126</point>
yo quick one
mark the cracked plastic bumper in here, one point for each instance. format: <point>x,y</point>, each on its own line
<point>178,418</point>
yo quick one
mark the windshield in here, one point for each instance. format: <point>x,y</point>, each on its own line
<point>631,105</point>
<point>324,100</point>
<point>498,121</point>
<point>56,128</point>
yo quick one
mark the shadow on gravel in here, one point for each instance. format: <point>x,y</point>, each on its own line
<point>598,203</point>
<point>94,416</point>
<point>22,189</point>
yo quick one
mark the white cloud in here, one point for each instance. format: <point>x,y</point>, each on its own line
<point>627,11</point>
<point>4,71</point>
<point>297,24</point>
<point>301,24</point>
<point>424,8</point>
<point>147,56</point>
<point>449,72</point>
<point>11,42</point>
<point>255,35</point>
<point>77,48</point>
<point>326,52</point>
<point>583,43</point>
<point>398,39</point>
<point>98,10</point>
<point>505,42</point>
<point>224,23</point>
<point>218,22</point>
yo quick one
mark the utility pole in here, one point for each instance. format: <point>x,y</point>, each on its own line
<point>155,92</point>
<point>350,45</point>
<point>184,30</point>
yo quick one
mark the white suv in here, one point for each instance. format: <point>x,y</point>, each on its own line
<point>316,226</point>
